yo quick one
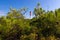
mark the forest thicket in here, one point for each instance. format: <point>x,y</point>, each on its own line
<point>45,25</point>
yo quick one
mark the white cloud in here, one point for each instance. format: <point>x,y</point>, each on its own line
<point>2,13</point>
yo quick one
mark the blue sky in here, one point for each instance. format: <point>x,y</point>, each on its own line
<point>30,4</point>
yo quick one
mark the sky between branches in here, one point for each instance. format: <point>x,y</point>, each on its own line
<point>30,4</point>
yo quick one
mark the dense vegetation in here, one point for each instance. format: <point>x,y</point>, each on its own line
<point>43,26</point>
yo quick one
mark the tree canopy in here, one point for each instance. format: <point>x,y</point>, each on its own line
<point>43,26</point>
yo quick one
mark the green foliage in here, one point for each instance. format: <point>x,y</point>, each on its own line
<point>44,26</point>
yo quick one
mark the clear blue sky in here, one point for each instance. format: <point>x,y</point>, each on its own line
<point>45,4</point>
